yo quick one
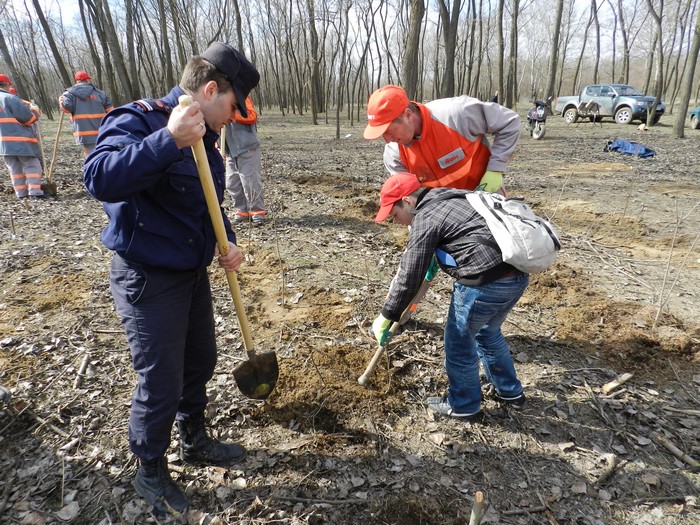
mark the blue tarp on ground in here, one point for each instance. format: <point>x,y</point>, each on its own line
<point>630,148</point>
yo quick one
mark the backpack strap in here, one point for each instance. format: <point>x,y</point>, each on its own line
<point>479,240</point>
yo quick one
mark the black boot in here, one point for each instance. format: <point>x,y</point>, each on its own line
<point>154,484</point>
<point>198,448</point>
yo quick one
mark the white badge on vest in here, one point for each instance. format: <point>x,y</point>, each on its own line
<point>453,157</point>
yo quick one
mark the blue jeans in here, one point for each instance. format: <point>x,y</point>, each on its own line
<point>473,334</point>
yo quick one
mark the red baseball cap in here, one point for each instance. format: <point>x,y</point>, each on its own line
<point>82,75</point>
<point>4,79</point>
<point>384,105</point>
<point>394,189</point>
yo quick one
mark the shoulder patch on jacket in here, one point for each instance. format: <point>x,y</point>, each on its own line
<point>152,104</point>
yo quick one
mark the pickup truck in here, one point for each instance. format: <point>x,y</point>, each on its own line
<point>619,101</point>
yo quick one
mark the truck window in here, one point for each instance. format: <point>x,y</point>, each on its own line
<point>593,91</point>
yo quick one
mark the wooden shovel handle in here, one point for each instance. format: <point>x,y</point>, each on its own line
<point>200,158</point>
<point>375,358</point>
<point>55,147</point>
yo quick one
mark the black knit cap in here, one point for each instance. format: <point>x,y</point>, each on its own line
<point>236,67</point>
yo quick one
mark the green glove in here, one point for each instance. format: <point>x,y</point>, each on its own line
<point>433,269</point>
<point>380,330</point>
<point>491,181</point>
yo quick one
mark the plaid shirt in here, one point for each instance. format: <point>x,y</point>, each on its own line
<point>447,225</point>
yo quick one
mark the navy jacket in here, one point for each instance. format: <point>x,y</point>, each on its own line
<point>150,189</point>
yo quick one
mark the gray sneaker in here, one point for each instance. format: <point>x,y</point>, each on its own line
<point>440,405</point>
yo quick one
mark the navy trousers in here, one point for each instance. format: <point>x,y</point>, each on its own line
<point>169,323</point>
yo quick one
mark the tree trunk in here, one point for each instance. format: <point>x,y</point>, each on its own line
<point>659,75</point>
<point>450,21</point>
<point>14,74</point>
<point>596,65</point>
<point>501,46</point>
<point>554,51</point>
<point>316,97</point>
<point>411,58</point>
<point>679,123</point>
<point>65,77</point>
<point>165,40</point>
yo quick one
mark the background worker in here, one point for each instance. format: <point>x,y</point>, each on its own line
<point>243,178</point>
<point>86,104</point>
<point>444,141</point>
<point>19,145</point>
<point>143,170</point>
<point>486,289</point>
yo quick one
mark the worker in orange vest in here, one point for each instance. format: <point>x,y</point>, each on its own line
<point>444,141</point>
<point>243,164</point>
<point>86,105</point>
<point>19,145</point>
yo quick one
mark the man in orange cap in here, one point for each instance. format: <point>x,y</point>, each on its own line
<point>19,145</point>
<point>86,104</point>
<point>444,141</point>
<point>442,221</point>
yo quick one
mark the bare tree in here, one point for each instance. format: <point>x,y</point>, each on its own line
<point>554,50</point>
<point>410,57</point>
<point>450,22</point>
<point>52,43</point>
<point>596,24</point>
<point>659,76</point>
<point>679,123</point>
<point>316,93</point>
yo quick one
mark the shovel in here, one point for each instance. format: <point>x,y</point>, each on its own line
<point>256,377</point>
<point>50,186</point>
<point>405,316</point>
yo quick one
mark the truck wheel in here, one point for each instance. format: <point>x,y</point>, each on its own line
<point>623,116</point>
<point>570,115</point>
<point>694,122</point>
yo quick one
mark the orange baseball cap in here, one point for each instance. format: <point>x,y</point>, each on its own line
<point>4,79</point>
<point>82,75</point>
<point>384,105</point>
<point>394,189</point>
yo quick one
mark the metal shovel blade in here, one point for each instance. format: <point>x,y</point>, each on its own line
<point>256,378</point>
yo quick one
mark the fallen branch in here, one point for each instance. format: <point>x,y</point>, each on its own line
<point>81,372</point>
<point>315,501</point>
<point>528,510</point>
<point>673,449</point>
<point>686,411</point>
<point>551,518</point>
<point>477,509</point>
<point>617,382</point>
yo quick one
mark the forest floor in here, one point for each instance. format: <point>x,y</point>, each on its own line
<point>622,298</point>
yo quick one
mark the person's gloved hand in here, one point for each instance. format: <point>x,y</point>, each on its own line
<point>34,107</point>
<point>380,330</point>
<point>491,181</point>
<point>433,269</point>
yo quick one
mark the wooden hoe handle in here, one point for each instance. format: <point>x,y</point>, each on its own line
<point>200,158</point>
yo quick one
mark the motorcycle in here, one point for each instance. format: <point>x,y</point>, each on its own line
<point>536,118</point>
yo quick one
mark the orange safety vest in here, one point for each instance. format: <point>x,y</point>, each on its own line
<point>252,117</point>
<point>441,157</point>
